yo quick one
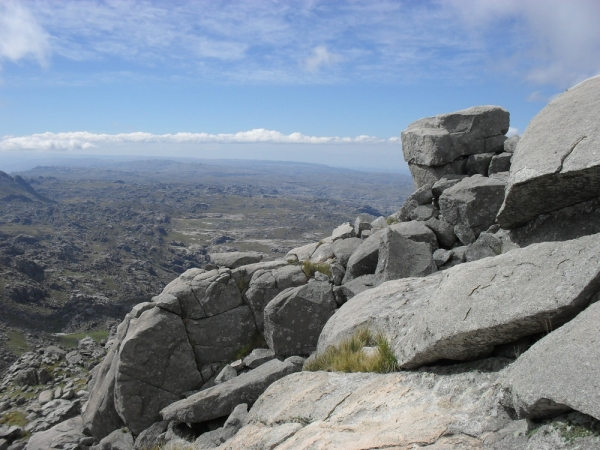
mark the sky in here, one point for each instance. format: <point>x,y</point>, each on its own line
<point>331,82</point>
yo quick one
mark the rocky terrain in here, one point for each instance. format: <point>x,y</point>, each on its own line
<point>479,294</point>
<point>80,245</point>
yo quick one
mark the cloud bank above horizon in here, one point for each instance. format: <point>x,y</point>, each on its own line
<point>549,42</point>
<point>83,140</point>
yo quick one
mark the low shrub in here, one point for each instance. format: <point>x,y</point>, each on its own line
<point>349,356</point>
<point>309,268</point>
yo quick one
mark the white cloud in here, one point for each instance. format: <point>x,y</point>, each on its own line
<point>544,42</point>
<point>83,140</point>
<point>512,131</point>
<point>320,56</point>
<point>21,36</point>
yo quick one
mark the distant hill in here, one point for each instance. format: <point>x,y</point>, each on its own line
<point>16,189</point>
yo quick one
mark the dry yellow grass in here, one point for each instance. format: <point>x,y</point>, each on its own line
<point>349,356</point>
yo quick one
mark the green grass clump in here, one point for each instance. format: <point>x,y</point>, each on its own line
<point>17,342</point>
<point>349,357</point>
<point>391,220</point>
<point>71,340</point>
<point>309,268</point>
<point>256,341</point>
<point>16,418</point>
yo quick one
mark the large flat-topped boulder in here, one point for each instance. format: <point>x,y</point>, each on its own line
<point>560,371</point>
<point>463,312</point>
<point>557,160</point>
<point>434,146</point>
<point>233,260</point>
<point>499,300</point>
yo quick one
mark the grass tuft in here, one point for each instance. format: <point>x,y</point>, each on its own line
<point>256,341</point>
<point>391,220</point>
<point>348,356</point>
<point>309,268</point>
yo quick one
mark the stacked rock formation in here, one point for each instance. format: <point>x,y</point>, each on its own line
<point>485,289</point>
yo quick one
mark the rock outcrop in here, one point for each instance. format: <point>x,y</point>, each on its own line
<point>435,146</point>
<point>557,161</point>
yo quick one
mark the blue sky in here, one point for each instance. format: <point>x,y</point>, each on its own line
<point>331,82</point>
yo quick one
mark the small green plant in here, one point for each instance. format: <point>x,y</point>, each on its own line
<point>243,283</point>
<point>309,268</point>
<point>256,341</point>
<point>16,418</point>
<point>391,220</point>
<point>349,356</point>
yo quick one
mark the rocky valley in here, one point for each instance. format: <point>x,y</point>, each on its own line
<point>360,312</point>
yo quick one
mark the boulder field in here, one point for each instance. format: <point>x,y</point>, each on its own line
<point>484,285</point>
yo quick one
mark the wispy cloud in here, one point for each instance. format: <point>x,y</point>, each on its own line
<point>320,57</point>
<point>544,42</point>
<point>21,36</point>
<point>82,140</point>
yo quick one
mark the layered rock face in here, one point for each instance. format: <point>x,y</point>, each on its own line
<point>446,144</point>
<point>557,161</point>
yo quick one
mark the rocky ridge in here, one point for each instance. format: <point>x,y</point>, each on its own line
<point>493,329</point>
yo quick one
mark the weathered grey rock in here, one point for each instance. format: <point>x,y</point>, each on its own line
<point>464,234</point>
<point>323,253</point>
<point>379,223</point>
<point>389,308</point>
<point>439,140</point>
<point>364,259</point>
<point>400,257</point>
<point>423,175</point>
<point>266,284</point>
<point>220,400</point>
<point>441,257</point>
<point>117,440</point>
<point>343,249</point>
<point>568,223</point>
<point>500,163</point>
<point>498,300</point>
<point>66,433</point>
<point>294,319</point>
<point>337,273</point>
<point>361,225</point>
<point>487,245</point>
<point>303,253</point>
<point>233,260</point>
<point>11,432</point>
<point>478,164</point>
<point>226,374</point>
<point>474,202</point>
<point>560,371</point>
<point>258,356</point>
<point>365,234</point>
<point>510,145</point>
<point>156,365</point>
<point>220,337</point>
<point>416,231</point>
<point>234,422</point>
<point>421,196</point>
<point>556,163</point>
<point>100,415</point>
<point>424,212</point>
<point>351,288</point>
<point>438,409</point>
<point>443,231</point>
<point>447,181</point>
<point>344,231</point>
<point>242,275</point>
<point>152,436</point>
<point>46,396</point>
